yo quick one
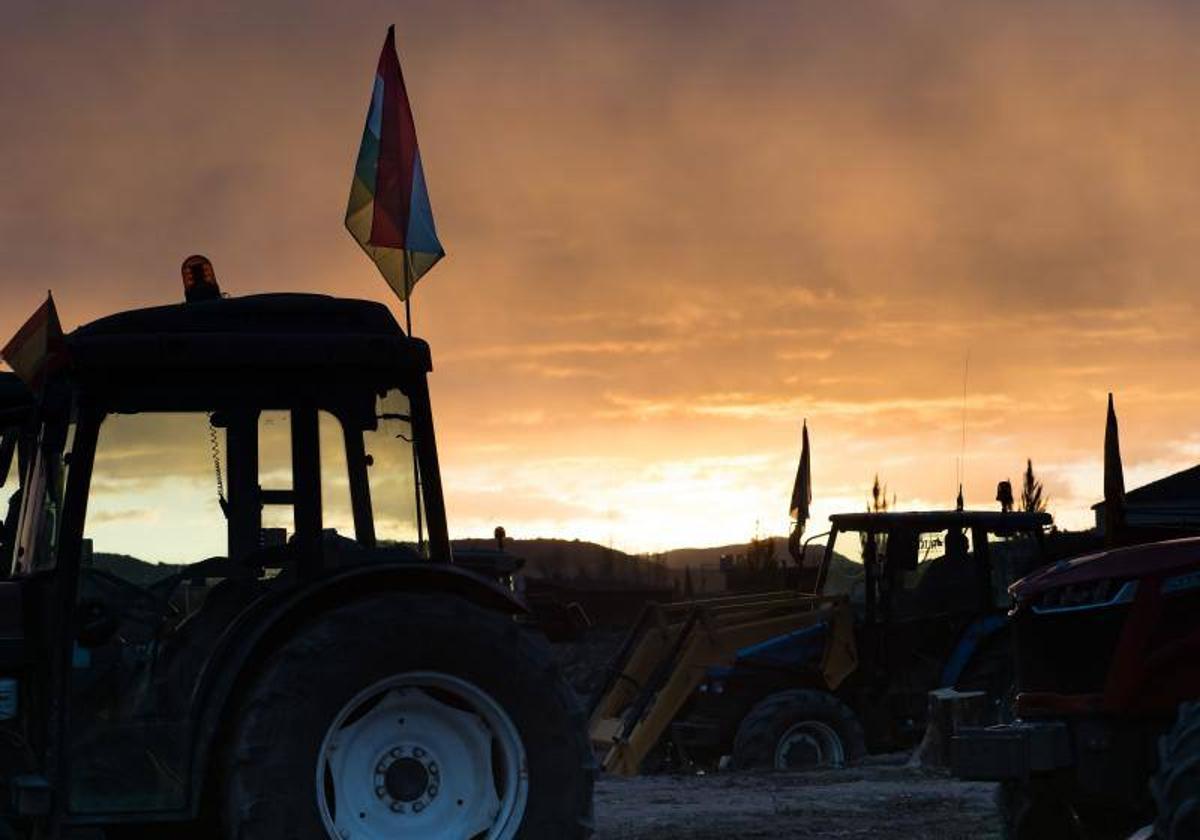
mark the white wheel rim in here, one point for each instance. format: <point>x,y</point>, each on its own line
<point>809,744</point>
<point>422,755</point>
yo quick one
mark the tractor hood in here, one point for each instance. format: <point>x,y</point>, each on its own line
<point>1136,561</point>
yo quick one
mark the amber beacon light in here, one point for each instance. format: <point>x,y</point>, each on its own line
<point>199,280</point>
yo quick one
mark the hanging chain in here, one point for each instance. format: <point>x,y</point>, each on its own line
<point>216,456</point>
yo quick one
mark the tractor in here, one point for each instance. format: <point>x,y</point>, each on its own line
<point>1106,650</point>
<point>230,605</point>
<point>894,606</point>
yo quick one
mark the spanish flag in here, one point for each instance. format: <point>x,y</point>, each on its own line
<point>389,213</point>
<point>38,348</point>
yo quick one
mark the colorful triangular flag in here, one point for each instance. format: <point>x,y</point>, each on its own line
<point>389,213</point>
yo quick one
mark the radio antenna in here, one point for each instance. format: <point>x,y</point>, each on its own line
<point>962,453</point>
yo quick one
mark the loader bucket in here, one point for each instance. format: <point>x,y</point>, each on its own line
<point>671,647</point>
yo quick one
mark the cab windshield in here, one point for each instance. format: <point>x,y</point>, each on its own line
<point>931,570</point>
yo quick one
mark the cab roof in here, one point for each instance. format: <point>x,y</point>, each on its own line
<point>246,338</point>
<point>276,314</point>
<point>270,350</point>
<point>940,520</point>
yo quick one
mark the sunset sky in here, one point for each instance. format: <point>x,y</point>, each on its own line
<point>674,229</point>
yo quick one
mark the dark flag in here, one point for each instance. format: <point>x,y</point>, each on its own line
<point>802,489</point>
<point>1114,481</point>
<point>38,348</point>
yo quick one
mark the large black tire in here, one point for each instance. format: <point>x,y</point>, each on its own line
<point>269,784</point>
<point>1176,785</point>
<point>770,719</point>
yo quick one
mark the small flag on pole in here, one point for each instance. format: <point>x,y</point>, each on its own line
<point>802,489</point>
<point>38,348</point>
<point>389,213</point>
<point>1114,480</point>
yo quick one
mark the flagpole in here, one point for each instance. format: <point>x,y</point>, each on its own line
<point>416,462</point>
<point>408,293</point>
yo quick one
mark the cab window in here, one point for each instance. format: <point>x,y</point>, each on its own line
<point>154,492</point>
<point>395,491</point>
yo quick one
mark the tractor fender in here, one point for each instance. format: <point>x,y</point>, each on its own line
<point>979,631</point>
<point>265,623</point>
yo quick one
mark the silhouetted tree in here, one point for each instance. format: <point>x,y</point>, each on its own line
<point>760,555</point>
<point>1033,497</point>
<point>878,502</point>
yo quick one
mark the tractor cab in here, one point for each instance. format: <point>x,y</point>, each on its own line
<point>203,482</point>
<point>192,461</point>
<point>930,594</point>
<point>897,565</point>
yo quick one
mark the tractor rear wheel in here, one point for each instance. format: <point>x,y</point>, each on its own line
<point>798,730</point>
<point>409,715</point>
<point>1176,786</point>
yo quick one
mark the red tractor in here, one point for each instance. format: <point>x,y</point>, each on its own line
<point>1106,651</point>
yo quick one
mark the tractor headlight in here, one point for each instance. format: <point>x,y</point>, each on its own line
<point>1086,596</point>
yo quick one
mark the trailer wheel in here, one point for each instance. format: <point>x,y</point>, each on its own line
<point>409,715</point>
<point>1176,786</point>
<point>799,729</point>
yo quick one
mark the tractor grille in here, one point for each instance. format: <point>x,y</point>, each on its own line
<point>1067,652</point>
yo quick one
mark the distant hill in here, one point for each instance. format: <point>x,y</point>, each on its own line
<point>678,558</point>
<point>553,552</point>
<point>569,559</point>
<point>132,569</point>
<point>557,559</point>
<point>564,559</point>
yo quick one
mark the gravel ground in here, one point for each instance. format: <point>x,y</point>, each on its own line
<point>882,799</point>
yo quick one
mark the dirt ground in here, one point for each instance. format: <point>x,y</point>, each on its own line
<point>882,799</point>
